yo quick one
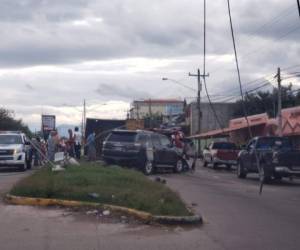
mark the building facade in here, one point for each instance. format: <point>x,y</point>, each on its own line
<point>224,112</point>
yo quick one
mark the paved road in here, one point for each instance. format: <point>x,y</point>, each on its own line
<point>236,217</point>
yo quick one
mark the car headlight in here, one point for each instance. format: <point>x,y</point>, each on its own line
<point>18,151</point>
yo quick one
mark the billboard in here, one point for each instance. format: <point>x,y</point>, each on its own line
<point>174,109</point>
<point>48,124</point>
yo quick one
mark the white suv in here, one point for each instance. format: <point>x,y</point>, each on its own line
<point>15,150</point>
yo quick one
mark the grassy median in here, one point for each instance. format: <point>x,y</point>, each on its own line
<point>113,185</point>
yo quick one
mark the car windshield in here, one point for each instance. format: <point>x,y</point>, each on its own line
<point>224,145</point>
<point>10,139</point>
<point>273,142</point>
<point>122,137</point>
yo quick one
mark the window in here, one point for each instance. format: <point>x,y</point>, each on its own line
<point>155,140</point>
<point>11,139</point>
<point>251,145</point>
<point>224,145</point>
<point>269,143</point>
<point>165,141</point>
<point>143,138</point>
<point>122,137</point>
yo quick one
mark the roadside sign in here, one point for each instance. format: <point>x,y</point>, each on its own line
<point>48,124</point>
<point>60,156</point>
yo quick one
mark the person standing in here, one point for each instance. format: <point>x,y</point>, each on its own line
<point>91,145</point>
<point>53,142</point>
<point>71,143</point>
<point>77,138</point>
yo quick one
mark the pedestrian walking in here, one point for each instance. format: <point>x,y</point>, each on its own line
<point>77,138</point>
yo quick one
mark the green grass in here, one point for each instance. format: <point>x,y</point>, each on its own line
<point>115,186</point>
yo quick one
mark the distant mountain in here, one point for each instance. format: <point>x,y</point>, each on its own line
<point>63,129</point>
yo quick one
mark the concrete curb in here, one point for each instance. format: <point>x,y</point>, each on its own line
<point>143,216</point>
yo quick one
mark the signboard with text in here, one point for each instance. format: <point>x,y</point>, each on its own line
<point>48,124</point>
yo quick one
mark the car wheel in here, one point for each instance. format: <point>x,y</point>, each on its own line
<point>241,173</point>
<point>215,165</point>
<point>228,167</point>
<point>108,162</point>
<point>148,167</point>
<point>23,167</point>
<point>179,166</point>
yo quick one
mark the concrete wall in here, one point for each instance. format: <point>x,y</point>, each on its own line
<point>208,122</point>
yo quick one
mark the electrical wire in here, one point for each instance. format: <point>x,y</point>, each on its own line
<point>238,68</point>
<point>204,69</point>
<point>269,23</point>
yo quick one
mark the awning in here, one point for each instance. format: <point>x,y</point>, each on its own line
<point>212,134</point>
<point>234,125</point>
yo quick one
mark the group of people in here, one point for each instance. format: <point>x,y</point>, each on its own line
<point>71,145</point>
<point>45,150</point>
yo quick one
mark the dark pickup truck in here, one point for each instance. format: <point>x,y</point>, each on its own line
<point>275,155</point>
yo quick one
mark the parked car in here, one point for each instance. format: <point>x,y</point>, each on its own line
<point>275,155</point>
<point>142,149</point>
<point>220,153</point>
<point>15,150</point>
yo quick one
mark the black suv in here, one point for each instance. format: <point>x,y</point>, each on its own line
<point>275,155</point>
<point>143,149</point>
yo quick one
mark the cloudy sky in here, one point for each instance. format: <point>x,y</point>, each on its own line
<point>54,53</point>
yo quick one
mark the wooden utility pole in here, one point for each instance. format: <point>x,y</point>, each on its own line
<point>84,119</point>
<point>279,115</point>
<point>198,75</point>
<point>298,3</point>
<point>150,113</point>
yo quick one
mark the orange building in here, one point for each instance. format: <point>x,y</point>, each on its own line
<point>260,125</point>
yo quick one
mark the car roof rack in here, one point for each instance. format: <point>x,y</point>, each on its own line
<point>10,132</point>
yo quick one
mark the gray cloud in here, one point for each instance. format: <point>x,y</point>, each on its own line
<point>121,92</point>
<point>29,86</point>
<point>116,34</point>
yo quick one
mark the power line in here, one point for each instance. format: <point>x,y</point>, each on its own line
<point>271,22</point>
<point>238,68</point>
<point>178,83</point>
<point>204,69</point>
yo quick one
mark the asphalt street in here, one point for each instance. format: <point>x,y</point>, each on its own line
<point>235,216</point>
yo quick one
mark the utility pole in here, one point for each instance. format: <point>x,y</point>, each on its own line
<point>198,75</point>
<point>150,112</point>
<point>279,115</point>
<point>298,3</point>
<point>84,119</point>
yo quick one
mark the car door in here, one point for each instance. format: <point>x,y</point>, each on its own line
<point>168,153</point>
<point>157,149</point>
<point>247,155</point>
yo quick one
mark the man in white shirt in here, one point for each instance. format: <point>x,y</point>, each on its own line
<point>77,138</point>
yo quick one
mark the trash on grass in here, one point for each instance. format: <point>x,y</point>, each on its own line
<point>106,212</point>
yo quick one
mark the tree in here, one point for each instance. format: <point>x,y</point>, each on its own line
<point>267,102</point>
<point>7,122</point>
